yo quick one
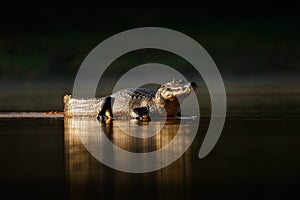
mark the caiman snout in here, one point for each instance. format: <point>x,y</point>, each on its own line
<point>176,90</point>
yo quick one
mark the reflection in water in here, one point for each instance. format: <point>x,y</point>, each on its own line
<point>84,172</point>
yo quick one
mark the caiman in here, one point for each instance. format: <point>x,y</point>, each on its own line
<point>134,103</point>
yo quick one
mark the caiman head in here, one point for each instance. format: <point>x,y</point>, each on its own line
<point>171,94</point>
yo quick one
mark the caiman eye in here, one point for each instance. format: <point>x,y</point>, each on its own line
<point>168,89</point>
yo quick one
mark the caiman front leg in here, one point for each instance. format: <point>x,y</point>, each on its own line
<point>141,113</point>
<point>105,113</point>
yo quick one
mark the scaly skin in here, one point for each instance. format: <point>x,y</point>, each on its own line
<point>136,103</point>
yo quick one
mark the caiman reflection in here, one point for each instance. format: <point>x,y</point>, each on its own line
<point>83,169</point>
<point>85,130</point>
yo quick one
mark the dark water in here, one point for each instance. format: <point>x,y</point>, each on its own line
<point>257,156</point>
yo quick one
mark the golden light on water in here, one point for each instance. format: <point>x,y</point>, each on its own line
<point>82,168</point>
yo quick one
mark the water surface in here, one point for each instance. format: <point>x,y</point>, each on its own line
<point>257,156</point>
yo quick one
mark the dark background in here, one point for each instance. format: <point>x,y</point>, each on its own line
<point>42,46</point>
<point>256,48</point>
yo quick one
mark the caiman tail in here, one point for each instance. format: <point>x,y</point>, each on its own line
<point>86,107</point>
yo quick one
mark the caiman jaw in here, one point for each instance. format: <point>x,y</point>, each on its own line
<point>175,91</point>
<point>186,91</point>
<point>170,95</point>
